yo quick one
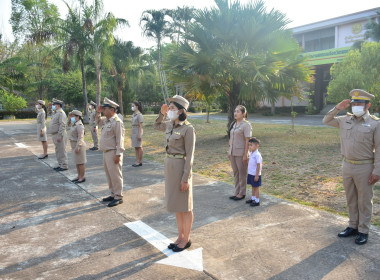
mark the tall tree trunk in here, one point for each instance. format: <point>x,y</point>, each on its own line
<point>98,83</point>
<point>207,113</point>
<point>233,101</point>
<point>85,100</point>
<point>273,108</point>
<point>120,97</point>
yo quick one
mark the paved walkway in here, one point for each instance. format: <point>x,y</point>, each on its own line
<point>51,228</point>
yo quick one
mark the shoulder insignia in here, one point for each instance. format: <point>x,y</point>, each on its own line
<point>246,121</point>
<point>117,119</point>
<point>375,118</point>
<point>349,114</point>
<point>186,122</point>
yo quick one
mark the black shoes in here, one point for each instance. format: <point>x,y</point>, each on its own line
<point>171,245</point>
<point>232,197</point>
<point>361,239</point>
<point>94,149</point>
<point>83,180</point>
<point>238,198</point>
<point>249,201</point>
<point>43,157</point>
<point>108,198</point>
<point>115,202</point>
<point>74,180</point>
<point>253,204</point>
<point>178,249</point>
<point>137,165</point>
<point>348,232</point>
<point>60,169</point>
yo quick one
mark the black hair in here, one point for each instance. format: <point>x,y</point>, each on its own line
<point>139,105</point>
<point>244,112</point>
<point>44,107</point>
<point>118,110</point>
<point>254,140</point>
<point>183,115</point>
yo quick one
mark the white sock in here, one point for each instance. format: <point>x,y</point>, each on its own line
<point>257,200</point>
<point>253,197</point>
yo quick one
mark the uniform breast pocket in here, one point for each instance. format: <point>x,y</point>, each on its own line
<point>346,130</point>
<point>364,134</point>
<point>175,138</point>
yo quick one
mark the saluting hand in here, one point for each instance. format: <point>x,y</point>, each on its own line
<point>184,186</point>
<point>344,104</point>
<point>99,109</point>
<point>164,109</point>
<point>373,179</point>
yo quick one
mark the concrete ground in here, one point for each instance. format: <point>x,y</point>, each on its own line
<point>51,228</point>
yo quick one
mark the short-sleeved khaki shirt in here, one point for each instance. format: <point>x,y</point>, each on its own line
<point>58,123</point>
<point>112,136</point>
<point>238,135</point>
<point>137,118</point>
<point>77,133</point>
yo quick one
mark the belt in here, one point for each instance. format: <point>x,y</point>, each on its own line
<point>108,150</point>
<point>53,133</point>
<point>135,126</point>
<point>175,156</point>
<point>365,161</point>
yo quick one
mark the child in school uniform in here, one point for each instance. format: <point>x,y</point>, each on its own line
<point>255,165</point>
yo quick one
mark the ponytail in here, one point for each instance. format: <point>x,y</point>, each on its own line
<point>139,106</point>
<point>44,107</point>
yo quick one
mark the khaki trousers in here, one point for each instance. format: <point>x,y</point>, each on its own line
<point>240,174</point>
<point>94,135</point>
<point>114,173</point>
<point>359,195</point>
<point>60,150</point>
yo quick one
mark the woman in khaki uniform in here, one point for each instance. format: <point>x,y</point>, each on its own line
<point>240,132</point>
<point>77,144</point>
<point>137,132</point>
<point>41,126</point>
<point>180,145</point>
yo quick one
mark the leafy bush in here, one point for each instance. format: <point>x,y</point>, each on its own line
<point>12,102</point>
<point>18,114</point>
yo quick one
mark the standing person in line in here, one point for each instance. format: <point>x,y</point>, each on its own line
<point>41,126</point>
<point>137,132</point>
<point>360,147</point>
<point>255,166</point>
<point>180,145</point>
<point>240,132</point>
<point>57,129</point>
<point>93,126</point>
<point>78,145</point>
<point>112,145</point>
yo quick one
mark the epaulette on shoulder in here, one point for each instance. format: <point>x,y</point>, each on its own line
<point>375,118</point>
<point>187,123</point>
<point>117,119</point>
<point>246,121</point>
<point>349,114</point>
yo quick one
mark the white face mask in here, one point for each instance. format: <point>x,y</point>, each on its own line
<point>37,107</point>
<point>173,115</point>
<point>133,108</point>
<point>53,107</point>
<point>358,111</point>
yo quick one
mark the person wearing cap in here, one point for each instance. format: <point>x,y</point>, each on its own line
<point>93,126</point>
<point>41,126</point>
<point>57,129</point>
<point>360,147</point>
<point>137,132</point>
<point>112,145</point>
<point>78,145</point>
<point>179,145</point>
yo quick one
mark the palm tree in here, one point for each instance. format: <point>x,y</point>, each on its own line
<point>181,17</point>
<point>156,26</point>
<point>373,28</point>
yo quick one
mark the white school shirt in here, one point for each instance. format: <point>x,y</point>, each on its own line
<point>254,159</point>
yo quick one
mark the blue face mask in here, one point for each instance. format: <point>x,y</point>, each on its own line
<point>53,107</point>
<point>73,119</point>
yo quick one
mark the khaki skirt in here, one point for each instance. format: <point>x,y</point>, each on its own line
<point>177,201</point>
<point>79,158</point>
<point>39,137</point>
<point>135,142</point>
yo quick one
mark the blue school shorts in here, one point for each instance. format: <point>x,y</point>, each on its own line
<point>251,181</point>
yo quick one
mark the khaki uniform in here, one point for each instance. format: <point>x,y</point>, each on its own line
<point>238,134</point>
<point>94,128</point>
<point>41,125</point>
<point>137,118</point>
<point>360,147</point>
<point>76,138</point>
<point>57,128</point>
<point>180,142</point>
<point>112,143</point>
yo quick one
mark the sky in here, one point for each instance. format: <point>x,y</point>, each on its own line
<point>300,12</point>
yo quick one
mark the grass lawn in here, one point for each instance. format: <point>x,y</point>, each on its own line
<point>304,167</point>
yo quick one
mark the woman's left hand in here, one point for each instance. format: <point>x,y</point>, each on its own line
<point>77,150</point>
<point>245,159</point>
<point>184,186</point>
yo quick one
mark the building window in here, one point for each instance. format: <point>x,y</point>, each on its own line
<point>320,40</point>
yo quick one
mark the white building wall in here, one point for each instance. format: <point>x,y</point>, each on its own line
<point>284,102</point>
<point>348,34</point>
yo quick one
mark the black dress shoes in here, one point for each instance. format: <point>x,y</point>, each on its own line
<point>60,169</point>
<point>348,232</point>
<point>83,180</point>
<point>239,198</point>
<point>43,157</point>
<point>232,197</point>
<point>108,198</point>
<point>178,249</point>
<point>74,180</point>
<point>137,165</point>
<point>254,203</point>
<point>115,202</point>
<point>56,168</point>
<point>171,245</point>
<point>361,238</point>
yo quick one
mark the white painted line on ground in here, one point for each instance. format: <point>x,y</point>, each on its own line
<point>21,145</point>
<point>185,259</point>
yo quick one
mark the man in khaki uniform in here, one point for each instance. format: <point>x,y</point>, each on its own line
<point>93,126</point>
<point>112,145</point>
<point>57,129</point>
<point>360,147</point>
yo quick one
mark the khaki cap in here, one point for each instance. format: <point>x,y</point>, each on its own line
<point>56,101</point>
<point>76,113</point>
<point>180,100</point>
<point>109,103</point>
<point>93,103</point>
<point>359,95</point>
<point>41,102</point>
